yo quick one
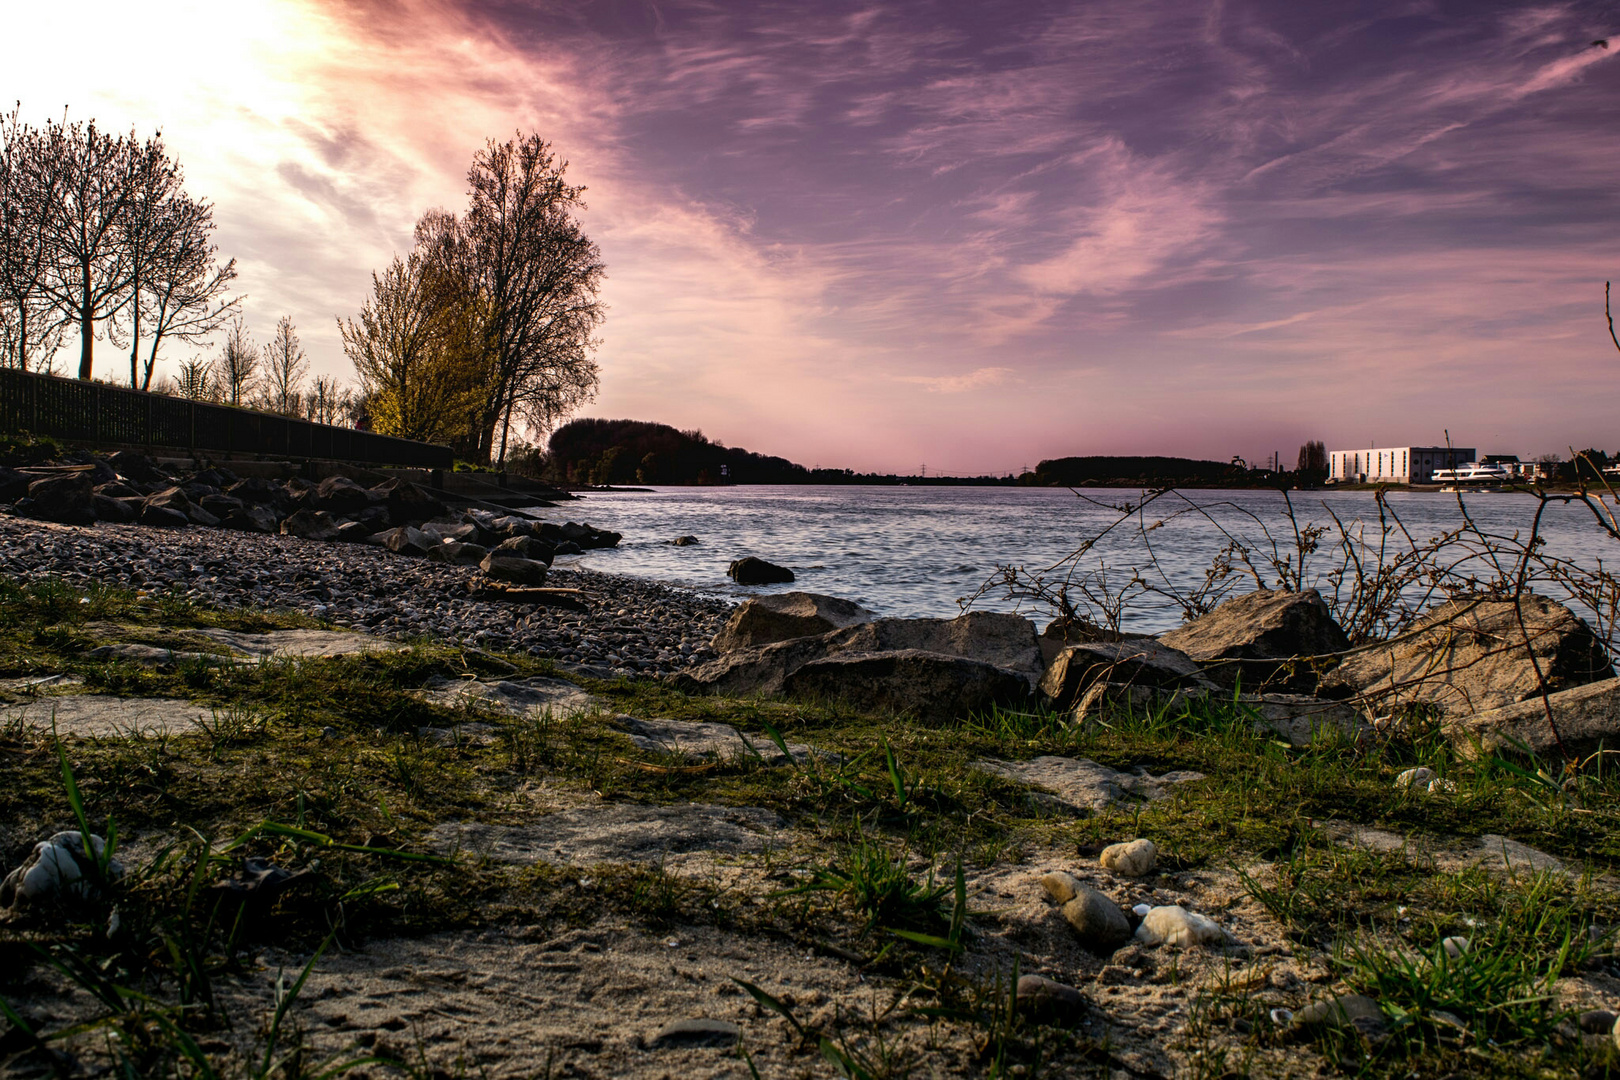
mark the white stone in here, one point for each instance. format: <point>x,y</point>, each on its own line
<point>1418,778</point>
<point>1061,886</point>
<point>53,871</point>
<point>1142,909</point>
<point>1133,859</point>
<point>1177,927</point>
<point>1455,946</point>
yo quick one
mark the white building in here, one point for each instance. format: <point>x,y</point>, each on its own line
<point>1394,464</point>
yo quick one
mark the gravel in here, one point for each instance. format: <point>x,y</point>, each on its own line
<point>634,626</point>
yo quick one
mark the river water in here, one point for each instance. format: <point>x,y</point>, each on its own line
<point>918,551</point>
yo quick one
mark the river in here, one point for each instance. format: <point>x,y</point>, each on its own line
<point>918,551</point>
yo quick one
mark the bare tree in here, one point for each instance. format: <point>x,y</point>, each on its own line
<point>284,369</point>
<point>92,269</point>
<point>30,325</point>
<point>237,366</point>
<point>324,404</point>
<point>197,381</point>
<point>540,276</point>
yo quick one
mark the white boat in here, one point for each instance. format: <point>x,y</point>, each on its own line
<point>1471,473</point>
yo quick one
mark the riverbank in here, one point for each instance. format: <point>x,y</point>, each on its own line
<point>630,625</point>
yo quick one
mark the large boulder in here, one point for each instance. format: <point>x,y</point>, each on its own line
<point>1254,640</point>
<point>13,484</point>
<point>761,620</point>
<point>1137,662</point>
<point>925,684</point>
<point>311,525</point>
<point>511,568</point>
<point>752,571</point>
<point>121,511</point>
<point>527,547</point>
<point>251,518</point>
<point>67,497</point>
<point>457,554</point>
<point>1469,656</point>
<point>1003,641</point>
<point>342,496</point>
<point>1587,717</point>
<point>406,540</point>
<point>408,503</point>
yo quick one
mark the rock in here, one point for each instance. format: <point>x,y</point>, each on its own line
<point>1343,1011</point>
<point>513,569</point>
<point>911,681</point>
<point>1061,633</point>
<point>408,503</point>
<point>1253,639</point>
<point>13,484</point>
<point>684,541</point>
<point>1596,1021</point>
<point>116,489</point>
<point>1097,921</point>
<point>136,466</point>
<point>310,525</point>
<point>1102,698</point>
<point>698,740</point>
<point>406,540</point>
<point>1004,641</point>
<point>340,495</point>
<point>568,547</point>
<point>1061,886</point>
<point>1454,947</point>
<point>1137,858</point>
<point>257,883</point>
<point>698,1032</point>
<point>134,653</point>
<point>527,547</point>
<point>1084,785</point>
<point>108,508</point>
<point>1468,657</point>
<point>1588,719</point>
<point>763,620</point>
<point>251,518</point>
<point>68,498</point>
<point>752,571</point>
<point>457,554</point>
<point>221,506</point>
<point>1048,999</point>
<point>354,532</point>
<point>58,869</point>
<point>1138,662</point>
<point>1178,928</point>
<point>1302,719</point>
<point>163,517</point>
<point>1419,777</point>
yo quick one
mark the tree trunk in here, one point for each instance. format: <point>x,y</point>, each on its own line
<point>87,327</point>
<point>135,330</point>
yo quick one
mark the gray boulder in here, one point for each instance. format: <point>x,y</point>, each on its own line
<point>527,547</point>
<point>163,517</point>
<point>457,554</point>
<point>251,518</point>
<point>1098,924</point>
<point>353,532</point>
<point>1588,719</point>
<point>13,484</point>
<point>118,510</point>
<point>752,571</point>
<point>1302,719</point>
<point>762,620</point>
<point>513,569</point>
<point>406,540</point>
<point>1469,656</point>
<point>1254,639</point>
<point>1003,641</point>
<point>340,495</point>
<point>910,681</point>
<point>68,497</point>
<point>1137,662</point>
<point>310,525</point>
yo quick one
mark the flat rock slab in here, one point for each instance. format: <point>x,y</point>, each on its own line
<point>617,832</point>
<point>1085,785</point>
<point>519,697</point>
<point>1492,852</point>
<point>103,715</point>
<point>299,643</point>
<point>694,739</point>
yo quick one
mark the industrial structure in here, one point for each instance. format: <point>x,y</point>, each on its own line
<point>1395,464</point>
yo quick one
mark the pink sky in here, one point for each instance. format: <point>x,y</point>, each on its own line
<point>966,235</point>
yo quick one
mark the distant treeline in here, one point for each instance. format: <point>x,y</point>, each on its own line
<point>1133,471</point>
<point>601,452</point>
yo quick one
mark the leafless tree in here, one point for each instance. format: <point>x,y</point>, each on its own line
<point>284,370</point>
<point>83,225</point>
<point>30,325</point>
<point>540,276</point>
<point>197,381</point>
<point>324,404</point>
<point>237,366</point>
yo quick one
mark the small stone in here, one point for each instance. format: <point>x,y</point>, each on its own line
<point>1347,1010</point>
<point>1415,778</point>
<point>1177,927</point>
<point>1042,997</point>
<point>58,869</point>
<point>698,1032</point>
<point>1097,920</point>
<point>1282,1017</point>
<point>1597,1021</point>
<point>1454,946</point>
<point>1134,859</point>
<point>1142,909</point>
<point>1061,886</point>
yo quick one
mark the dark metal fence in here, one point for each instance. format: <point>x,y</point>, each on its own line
<point>92,412</point>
